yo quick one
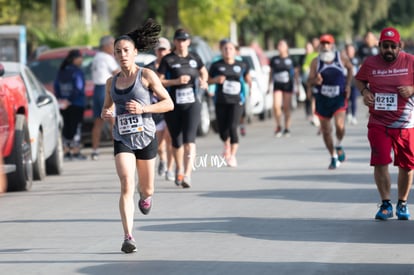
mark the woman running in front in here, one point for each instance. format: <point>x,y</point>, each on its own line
<point>127,97</point>
<point>228,73</point>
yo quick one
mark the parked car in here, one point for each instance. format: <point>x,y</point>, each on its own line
<point>14,132</point>
<point>46,66</point>
<point>44,121</point>
<point>143,59</point>
<point>261,100</point>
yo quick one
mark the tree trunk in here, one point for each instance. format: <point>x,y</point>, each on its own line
<point>60,19</point>
<point>171,16</point>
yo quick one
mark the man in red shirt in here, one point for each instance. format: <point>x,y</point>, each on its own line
<point>386,83</point>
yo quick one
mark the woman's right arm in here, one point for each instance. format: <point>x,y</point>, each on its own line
<point>108,106</point>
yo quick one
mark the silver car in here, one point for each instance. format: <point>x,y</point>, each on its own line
<point>45,123</point>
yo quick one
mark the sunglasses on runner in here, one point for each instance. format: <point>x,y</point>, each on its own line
<point>389,45</point>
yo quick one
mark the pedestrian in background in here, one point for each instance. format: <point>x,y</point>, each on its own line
<point>369,47</point>
<point>386,84</point>
<point>282,77</point>
<point>165,154</point>
<point>229,98</point>
<point>70,91</point>
<point>310,54</point>
<point>185,76</point>
<point>128,98</point>
<point>104,66</point>
<point>353,97</point>
<point>331,99</point>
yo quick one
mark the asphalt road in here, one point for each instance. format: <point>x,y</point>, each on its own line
<point>280,212</point>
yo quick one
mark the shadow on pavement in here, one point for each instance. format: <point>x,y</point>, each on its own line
<point>299,230</point>
<point>245,267</point>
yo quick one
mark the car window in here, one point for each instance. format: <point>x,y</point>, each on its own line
<point>249,61</point>
<point>46,70</point>
<point>33,86</point>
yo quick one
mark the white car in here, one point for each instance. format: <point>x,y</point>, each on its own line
<point>260,98</point>
<point>45,123</point>
<point>143,59</point>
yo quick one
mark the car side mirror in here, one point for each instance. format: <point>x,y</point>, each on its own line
<point>44,100</point>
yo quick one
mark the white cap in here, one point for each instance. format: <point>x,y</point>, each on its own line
<point>163,43</point>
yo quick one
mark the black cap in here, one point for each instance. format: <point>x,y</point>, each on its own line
<point>181,34</point>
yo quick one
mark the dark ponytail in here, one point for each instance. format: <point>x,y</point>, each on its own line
<point>144,37</point>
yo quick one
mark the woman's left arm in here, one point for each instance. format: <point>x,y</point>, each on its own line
<point>164,103</point>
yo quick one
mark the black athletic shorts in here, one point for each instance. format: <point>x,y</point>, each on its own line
<point>148,152</point>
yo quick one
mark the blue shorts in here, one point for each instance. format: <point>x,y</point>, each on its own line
<point>326,107</point>
<point>98,100</point>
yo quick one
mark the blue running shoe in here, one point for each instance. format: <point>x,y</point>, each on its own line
<point>402,211</point>
<point>341,153</point>
<point>385,211</point>
<point>334,164</point>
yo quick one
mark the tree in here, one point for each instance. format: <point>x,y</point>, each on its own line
<point>9,12</point>
<point>60,12</point>
<point>273,19</point>
<point>209,18</point>
<point>370,12</point>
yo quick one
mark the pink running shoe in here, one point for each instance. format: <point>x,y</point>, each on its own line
<point>145,205</point>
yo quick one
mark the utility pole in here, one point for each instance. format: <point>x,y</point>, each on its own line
<point>87,14</point>
<point>102,12</point>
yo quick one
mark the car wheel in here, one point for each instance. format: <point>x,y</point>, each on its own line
<point>54,164</point>
<point>21,156</point>
<point>39,166</point>
<point>204,126</point>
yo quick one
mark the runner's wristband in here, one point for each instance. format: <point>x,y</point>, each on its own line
<point>362,91</point>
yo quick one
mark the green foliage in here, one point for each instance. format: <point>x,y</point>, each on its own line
<point>9,12</point>
<point>209,18</point>
<point>370,12</point>
<point>158,9</point>
<point>75,33</point>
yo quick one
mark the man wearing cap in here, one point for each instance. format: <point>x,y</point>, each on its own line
<point>386,84</point>
<point>332,90</point>
<point>104,66</point>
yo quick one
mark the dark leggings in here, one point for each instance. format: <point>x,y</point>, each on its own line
<point>72,122</point>
<point>228,118</point>
<point>352,107</point>
<point>183,123</point>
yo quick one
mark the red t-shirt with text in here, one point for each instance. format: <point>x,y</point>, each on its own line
<point>384,78</point>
